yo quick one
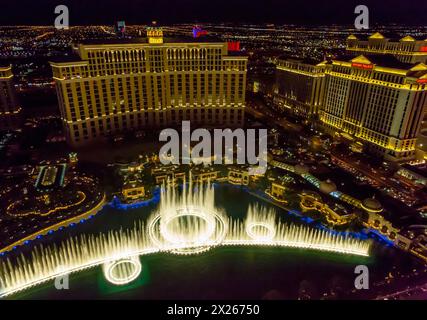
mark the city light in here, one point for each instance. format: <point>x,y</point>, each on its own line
<point>212,150</point>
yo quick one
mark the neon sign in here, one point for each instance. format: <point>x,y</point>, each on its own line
<point>120,27</point>
<point>234,46</point>
<point>362,66</point>
<point>198,32</point>
<point>423,49</point>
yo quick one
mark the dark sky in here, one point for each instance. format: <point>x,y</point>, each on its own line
<point>41,12</point>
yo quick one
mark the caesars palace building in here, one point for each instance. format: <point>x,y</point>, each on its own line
<point>376,95</point>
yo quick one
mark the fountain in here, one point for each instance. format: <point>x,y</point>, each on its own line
<point>189,223</point>
<point>185,223</point>
<point>122,271</point>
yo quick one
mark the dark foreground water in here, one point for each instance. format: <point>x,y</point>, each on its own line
<point>222,273</point>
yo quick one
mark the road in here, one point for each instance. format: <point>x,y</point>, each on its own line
<point>367,171</point>
<point>414,293</point>
<point>269,116</point>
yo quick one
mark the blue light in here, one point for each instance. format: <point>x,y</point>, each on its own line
<point>50,232</point>
<point>307,219</point>
<point>380,237</point>
<point>295,213</point>
<point>336,194</point>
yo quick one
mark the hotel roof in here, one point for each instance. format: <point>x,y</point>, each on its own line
<point>392,37</point>
<point>75,57</point>
<point>407,39</point>
<point>382,60</point>
<point>71,57</point>
<point>377,35</point>
<point>144,40</point>
<point>388,61</point>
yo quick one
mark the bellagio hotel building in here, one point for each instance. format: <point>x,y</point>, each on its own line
<point>120,87</point>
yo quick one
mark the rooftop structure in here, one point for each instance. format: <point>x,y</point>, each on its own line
<point>407,49</point>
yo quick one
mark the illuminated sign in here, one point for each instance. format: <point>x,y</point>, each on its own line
<point>155,35</point>
<point>234,46</point>
<point>422,80</point>
<point>120,27</point>
<point>198,32</point>
<point>423,49</point>
<point>362,66</point>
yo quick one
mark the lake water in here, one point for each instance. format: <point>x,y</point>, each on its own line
<point>222,273</point>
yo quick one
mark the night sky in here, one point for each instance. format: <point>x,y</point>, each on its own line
<point>312,12</point>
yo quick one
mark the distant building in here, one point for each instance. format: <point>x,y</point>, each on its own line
<point>113,88</point>
<point>261,84</point>
<point>412,175</point>
<point>73,159</point>
<point>10,111</point>
<point>238,176</point>
<point>133,189</point>
<point>300,87</point>
<point>155,35</point>
<point>204,174</point>
<point>377,222</point>
<point>406,49</point>
<point>120,28</point>
<point>172,173</point>
<point>50,177</point>
<point>199,32</point>
<point>335,216</point>
<point>278,190</point>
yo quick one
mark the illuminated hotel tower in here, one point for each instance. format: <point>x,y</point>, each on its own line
<point>118,87</point>
<point>377,100</point>
<point>9,109</point>
<point>406,49</point>
<point>300,87</point>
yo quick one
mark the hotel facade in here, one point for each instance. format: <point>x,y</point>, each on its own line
<point>114,88</point>
<point>379,105</point>
<point>378,100</point>
<point>10,111</point>
<point>300,87</point>
<point>406,49</point>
